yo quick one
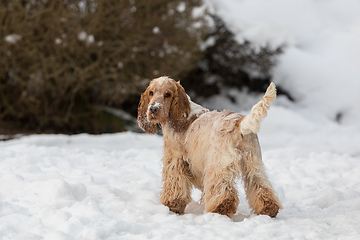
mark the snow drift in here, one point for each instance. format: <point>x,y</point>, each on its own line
<point>320,39</point>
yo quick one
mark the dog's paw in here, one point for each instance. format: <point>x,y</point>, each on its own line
<point>270,207</point>
<point>176,206</point>
<point>227,207</point>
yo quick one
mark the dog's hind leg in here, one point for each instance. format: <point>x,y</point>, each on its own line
<point>259,192</point>
<point>220,195</point>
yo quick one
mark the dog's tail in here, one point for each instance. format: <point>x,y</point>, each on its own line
<point>251,122</point>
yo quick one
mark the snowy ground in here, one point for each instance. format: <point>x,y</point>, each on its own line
<point>107,187</point>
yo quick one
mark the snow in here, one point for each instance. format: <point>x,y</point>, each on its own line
<point>12,38</point>
<point>156,105</point>
<point>320,39</point>
<point>58,41</point>
<point>88,38</point>
<point>181,7</point>
<point>156,30</point>
<point>107,186</point>
<point>82,36</point>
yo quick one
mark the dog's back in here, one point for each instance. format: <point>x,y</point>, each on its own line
<point>215,140</point>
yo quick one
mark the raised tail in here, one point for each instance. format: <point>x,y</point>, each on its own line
<point>251,122</point>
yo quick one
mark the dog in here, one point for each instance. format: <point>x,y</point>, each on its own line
<point>208,150</point>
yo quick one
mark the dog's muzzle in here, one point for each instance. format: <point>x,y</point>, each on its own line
<point>153,109</point>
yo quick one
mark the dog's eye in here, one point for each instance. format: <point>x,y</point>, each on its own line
<point>167,95</point>
<point>151,93</point>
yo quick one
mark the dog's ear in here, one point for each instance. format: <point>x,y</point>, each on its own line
<point>142,119</point>
<point>179,110</point>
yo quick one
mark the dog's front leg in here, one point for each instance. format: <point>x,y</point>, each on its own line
<point>176,192</point>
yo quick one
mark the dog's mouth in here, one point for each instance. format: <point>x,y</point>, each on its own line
<point>151,117</point>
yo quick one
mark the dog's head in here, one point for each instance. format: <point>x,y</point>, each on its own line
<point>163,102</point>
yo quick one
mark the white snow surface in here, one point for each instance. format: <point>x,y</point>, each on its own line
<point>108,186</point>
<point>320,40</point>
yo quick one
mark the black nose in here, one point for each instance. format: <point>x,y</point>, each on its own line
<point>153,109</point>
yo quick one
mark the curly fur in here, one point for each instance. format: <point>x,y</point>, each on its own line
<point>208,150</point>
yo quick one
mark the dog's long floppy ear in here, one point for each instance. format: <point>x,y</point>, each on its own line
<point>179,110</point>
<point>142,120</point>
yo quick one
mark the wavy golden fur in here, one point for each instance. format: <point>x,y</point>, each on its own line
<point>208,150</point>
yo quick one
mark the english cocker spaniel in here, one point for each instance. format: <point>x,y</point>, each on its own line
<point>208,150</point>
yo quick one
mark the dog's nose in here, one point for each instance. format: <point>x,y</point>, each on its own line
<point>154,108</point>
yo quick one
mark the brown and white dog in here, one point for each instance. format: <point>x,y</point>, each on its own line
<point>208,150</point>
